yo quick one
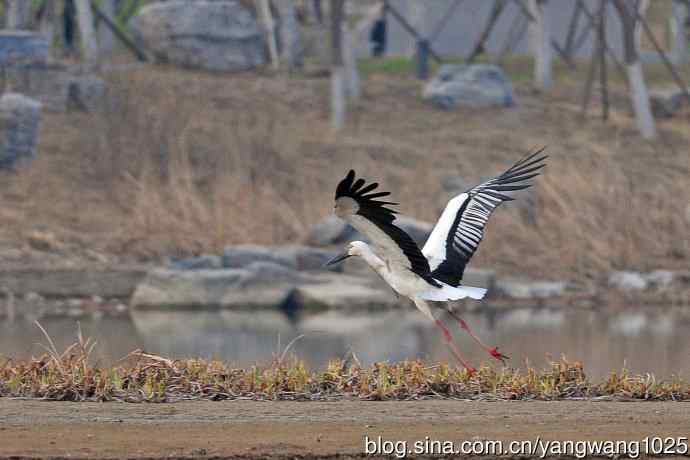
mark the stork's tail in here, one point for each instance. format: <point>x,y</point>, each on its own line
<point>446,292</point>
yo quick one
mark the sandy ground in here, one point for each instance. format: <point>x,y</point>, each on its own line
<point>251,429</point>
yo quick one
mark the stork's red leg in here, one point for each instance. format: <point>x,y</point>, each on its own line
<point>493,351</point>
<point>454,348</point>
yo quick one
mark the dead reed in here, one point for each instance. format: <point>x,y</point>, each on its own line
<point>181,163</point>
<point>144,377</point>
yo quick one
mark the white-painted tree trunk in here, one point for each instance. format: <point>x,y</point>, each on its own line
<point>643,5</point>
<point>640,99</point>
<point>680,53</point>
<point>290,39</point>
<point>18,14</point>
<point>633,67</point>
<point>47,25</point>
<point>338,97</point>
<point>417,18</point>
<point>87,32</point>
<point>269,26</point>
<point>338,72</point>
<point>352,84</point>
<point>106,39</point>
<point>540,43</point>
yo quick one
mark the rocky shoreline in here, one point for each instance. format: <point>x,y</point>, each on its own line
<point>292,279</point>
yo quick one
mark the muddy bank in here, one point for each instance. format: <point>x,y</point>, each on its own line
<point>281,429</point>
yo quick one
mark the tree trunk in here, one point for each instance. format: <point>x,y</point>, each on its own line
<point>87,33</point>
<point>417,20</point>
<point>350,63</point>
<point>290,40</point>
<point>47,25</point>
<point>633,67</point>
<point>338,78</point>
<point>680,54</point>
<point>540,41</point>
<point>269,26</point>
<point>106,39</point>
<point>18,14</point>
<point>642,6</point>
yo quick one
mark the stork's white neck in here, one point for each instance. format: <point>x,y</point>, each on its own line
<point>371,258</point>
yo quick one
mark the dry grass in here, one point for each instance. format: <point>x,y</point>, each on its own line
<point>184,163</point>
<point>143,377</point>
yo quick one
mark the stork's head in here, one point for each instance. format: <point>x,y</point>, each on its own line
<point>356,248</point>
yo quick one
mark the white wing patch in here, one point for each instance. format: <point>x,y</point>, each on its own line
<point>435,248</point>
<point>446,293</point>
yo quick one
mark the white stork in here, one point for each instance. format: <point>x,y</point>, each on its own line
<point>434,273</point>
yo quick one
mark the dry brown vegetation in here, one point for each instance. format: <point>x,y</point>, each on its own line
<point>182,163</point>
<point>69,375</point>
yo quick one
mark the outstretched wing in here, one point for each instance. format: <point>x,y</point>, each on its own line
<point>460,229</point>
<point>357,203</point>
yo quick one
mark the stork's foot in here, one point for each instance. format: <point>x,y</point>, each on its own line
<point>498,355</point>
<point>471,371</point>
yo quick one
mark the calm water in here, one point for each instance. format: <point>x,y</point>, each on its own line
<point>645,340</point>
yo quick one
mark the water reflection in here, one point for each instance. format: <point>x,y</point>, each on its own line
<point>645,340</point>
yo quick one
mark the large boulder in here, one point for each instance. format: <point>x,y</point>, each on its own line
<point>522,289</point>
<point>20,119</point>
<point>67,282</point>
<point>344,292</point>
<point>241,255</point>
<point>628,281</point>
<point>258,285</point>
<point>474,85</point>
<point>58,86</point>
<point>666,102</point>
<point>211,35</point>
<point>205,289</point>
<point>308,258</point>
<point>18,47</point>
<point>87,92</point>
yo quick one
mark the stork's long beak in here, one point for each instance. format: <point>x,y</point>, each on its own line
<point>336,259</point>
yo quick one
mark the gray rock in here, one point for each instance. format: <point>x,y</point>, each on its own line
<point>206,262</point>
<point>242,255</point>
<point>49,83</point>
<point>210,35</point>
<point>20,119</point>
<point>22,46</point>
<point>87,92</point>
<point>660,278</point>
<point>204,289</point>
<point>628,281</point>
<point>479,278</point>
<point>335,231</point>
<point>331,230</point>
<point>345,292</point>
<point>258,285</point>
<point>118,282</point>
<point>309,258</point>
<point>546,289</point>
<point>666,102</point>
<point>417,229</point>
<point>265,273</point>
<point>522,289</point>
<point>475,85</point>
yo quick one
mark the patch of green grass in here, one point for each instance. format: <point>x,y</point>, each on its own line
<point>518,67</point>
<point>144,377</point>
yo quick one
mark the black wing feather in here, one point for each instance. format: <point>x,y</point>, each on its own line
<point>467,230</point>
<point>377,213</point>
